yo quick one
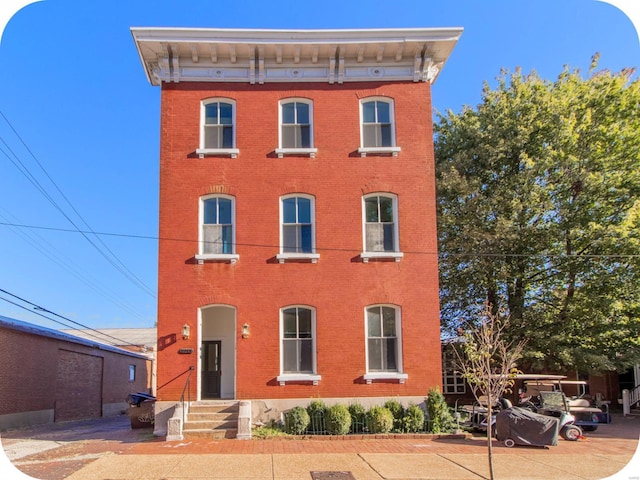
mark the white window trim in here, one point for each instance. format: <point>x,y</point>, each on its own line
<point>283,151</point>
<point>394,149</point>
<point>398,375</point>
<point>202,151</point>
<point>313,377</point>
<point>216,257</point>
<point>397,255</point>
<point>449,371</point>
<point>313,257</point>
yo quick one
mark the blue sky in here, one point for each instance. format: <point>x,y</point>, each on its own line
<point>73,88</point>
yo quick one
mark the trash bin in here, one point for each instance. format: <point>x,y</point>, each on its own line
<point>141,409</point>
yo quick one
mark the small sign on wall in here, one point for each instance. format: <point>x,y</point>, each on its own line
<point>185,351</point>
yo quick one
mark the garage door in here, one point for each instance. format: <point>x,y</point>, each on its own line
<point>78,386</point>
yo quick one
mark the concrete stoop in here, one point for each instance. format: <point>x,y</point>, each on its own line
<point>212,420</point>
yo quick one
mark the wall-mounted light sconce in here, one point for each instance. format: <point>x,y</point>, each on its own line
<point>245,330</point>
<point>186,331</point>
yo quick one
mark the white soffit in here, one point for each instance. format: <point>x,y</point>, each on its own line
<point>264,56</point>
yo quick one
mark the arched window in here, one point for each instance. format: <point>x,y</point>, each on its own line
<point>217,232</point>
<point>295,135</point>
<point>380,226</point>
<point>377,126</point>
<point>218,127</point>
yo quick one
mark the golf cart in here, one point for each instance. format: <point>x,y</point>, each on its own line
<point>544,394</point>
<point>477,413</point>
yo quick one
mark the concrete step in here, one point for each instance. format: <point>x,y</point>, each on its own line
<point>200,408</point>
<point>207,424</point>
<point>212,417</point>
<point>210,434</point>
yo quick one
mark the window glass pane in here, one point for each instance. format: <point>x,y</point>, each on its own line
<point>389,358</point>
<point>369,112</point>
<point>388,322</point>
<point>303,113</point>
<point>369,135</point>
<point>227,137</point>
<point>306,356</point>
<point>305,239</point>
<point>210,211</point>
<point>304,210</point>
<point>385,136</point>
<point>289,323</point>
<point>224,214</point>
<point>212,239</point>
<point>290,238</point>
<point>289,210</point>
<point>288,113</point>
<point>388,245</point>
<point>226,114</point>
<point>212,136</point>
<point>375,354</point>
<point>375,239</point>
<point>304,137</point>
<point>386,209</point>
<point>383,112</point>
<point>304,323</point>
<point>297,137</point>
<point>373,322</point>
<point>227,239</point>
<point>289,136</point>
<point>371,209</point>
<point>211,114</point>
<point>290,356</point>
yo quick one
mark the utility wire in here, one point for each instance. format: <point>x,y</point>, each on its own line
<point>113,259</point>
<point>120,342</point>
<point>329,249</point>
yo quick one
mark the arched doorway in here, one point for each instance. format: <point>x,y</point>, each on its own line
<point>217,362</point>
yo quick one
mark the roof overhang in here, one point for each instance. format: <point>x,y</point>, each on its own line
<point>262,56</point>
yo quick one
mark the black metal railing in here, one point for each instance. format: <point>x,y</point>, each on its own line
<point>186,389</point>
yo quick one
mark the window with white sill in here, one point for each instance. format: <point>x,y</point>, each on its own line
<point>217,233</point>
<point>297,345</point>
<point>384,343</point>
<point>218,132</point>
<point>297,229</point>
<point>377,127</point>
<point>380,227</point>
<point>296,128</point>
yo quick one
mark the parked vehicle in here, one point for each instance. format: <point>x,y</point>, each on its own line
<point>477,413</point>
<point>519,426</point>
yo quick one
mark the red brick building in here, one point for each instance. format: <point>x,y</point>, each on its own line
<point>298,253</point>
<point>47,375</point>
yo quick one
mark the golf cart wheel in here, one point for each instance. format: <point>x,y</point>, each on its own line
<point>509,443</point>
<point>571,433</point>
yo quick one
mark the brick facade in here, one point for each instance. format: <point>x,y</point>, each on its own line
<point>257,287</point>
<point>44,378</point>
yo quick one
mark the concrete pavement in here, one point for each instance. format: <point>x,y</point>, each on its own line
<point>108,449</point>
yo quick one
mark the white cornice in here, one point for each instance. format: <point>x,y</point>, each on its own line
<point>259,56</point>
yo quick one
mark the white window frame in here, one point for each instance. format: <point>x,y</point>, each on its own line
<point>312,377</point>
<point>204,151</point>
<point>312,256</point>
<point>396,254</point>
<point>398,374</point>
<point>281,151</point>
<point>219,257</point>
<point>393,149</point>
<point>449,372</point>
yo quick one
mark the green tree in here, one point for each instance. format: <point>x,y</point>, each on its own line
<point>539,213</point>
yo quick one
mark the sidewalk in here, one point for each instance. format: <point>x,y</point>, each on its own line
<point>108,449</point>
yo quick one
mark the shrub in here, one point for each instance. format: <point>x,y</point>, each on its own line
<point>317,411</point>
<point>358,413</point>
<point>338,420</point>
<point>439,414</point>
<point>296,421</point>
<point>397,410</point>
<point>413,420</point>
<point>379,420</point>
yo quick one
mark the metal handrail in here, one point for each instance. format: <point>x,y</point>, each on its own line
<point>187,389</point>
<point>634,395</point>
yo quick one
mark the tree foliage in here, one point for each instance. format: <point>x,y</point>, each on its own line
<point>539,213</point>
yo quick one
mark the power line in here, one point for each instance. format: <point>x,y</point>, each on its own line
<point>330,249</point>
<point>120,342</point>
<point>113,258</point>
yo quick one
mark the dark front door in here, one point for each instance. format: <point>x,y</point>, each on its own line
<point>211,354</point>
